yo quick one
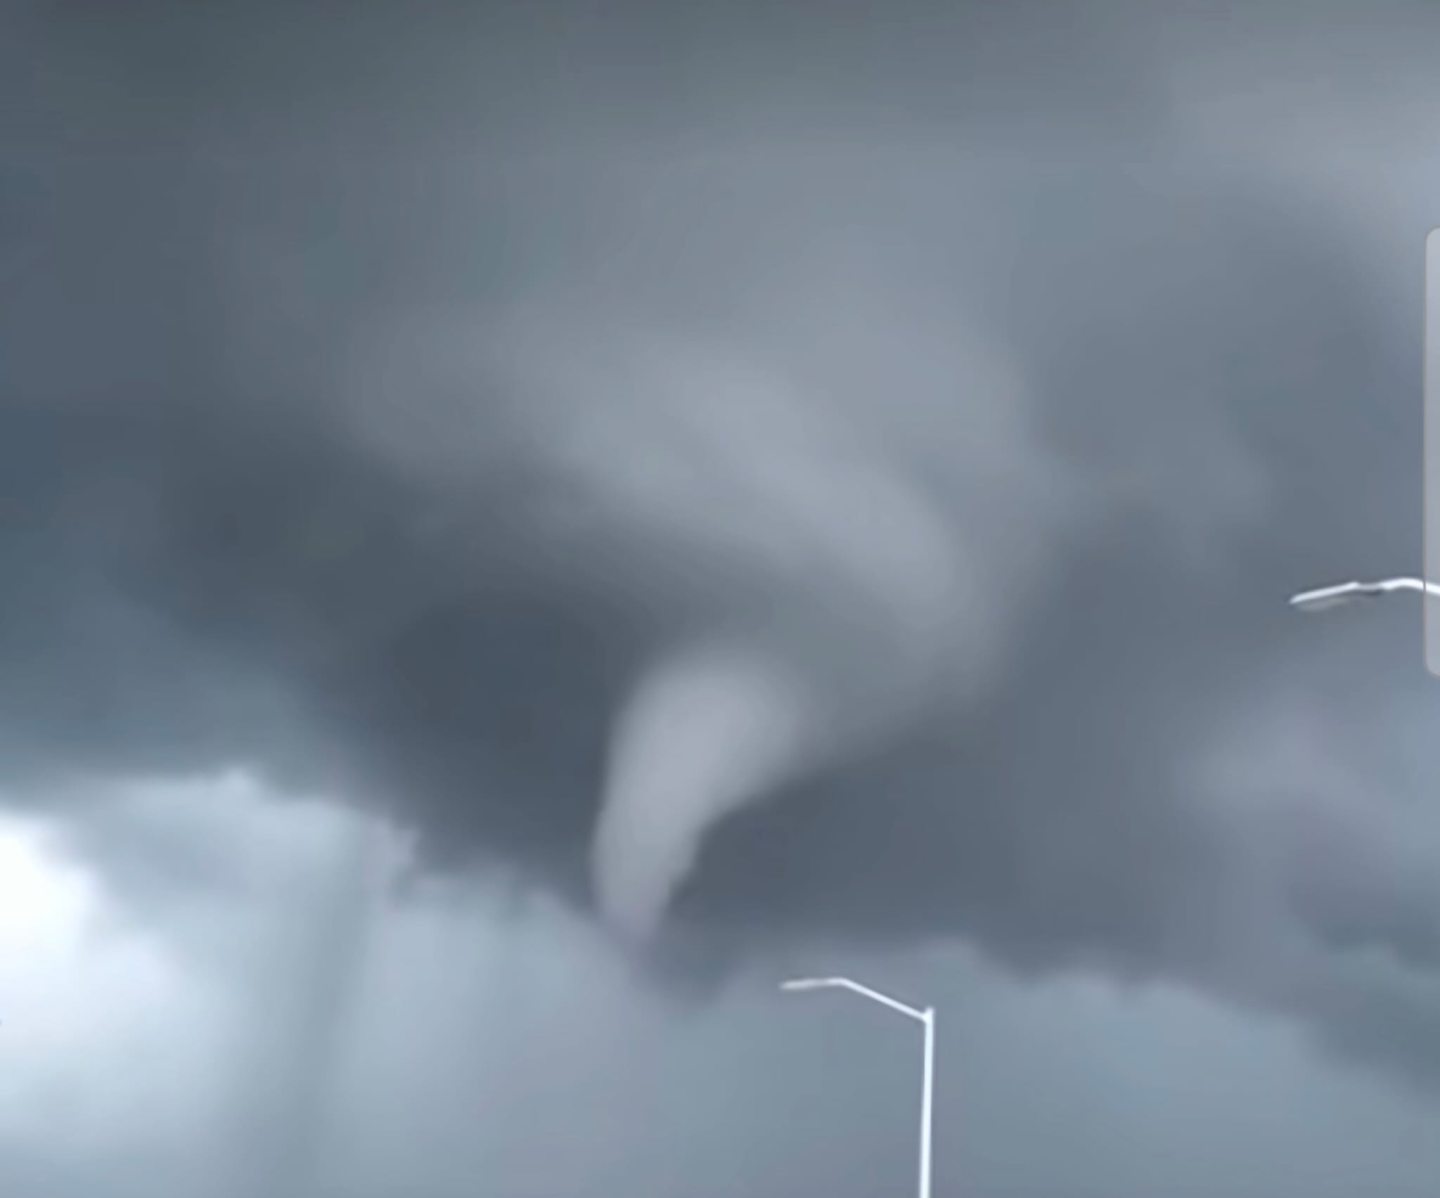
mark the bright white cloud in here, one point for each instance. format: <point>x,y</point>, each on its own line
<point>103,1047</point>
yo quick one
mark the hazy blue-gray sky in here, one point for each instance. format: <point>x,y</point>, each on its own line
<point>735,489</point>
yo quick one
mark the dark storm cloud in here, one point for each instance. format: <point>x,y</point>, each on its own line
<point>386,400</point>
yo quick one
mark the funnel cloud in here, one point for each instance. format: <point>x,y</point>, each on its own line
<point>705,732</point>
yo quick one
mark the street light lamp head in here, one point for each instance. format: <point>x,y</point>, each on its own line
<point>1324,598</point>
<point>810,983</point>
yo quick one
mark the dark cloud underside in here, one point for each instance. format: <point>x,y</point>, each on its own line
<point>301,317</point>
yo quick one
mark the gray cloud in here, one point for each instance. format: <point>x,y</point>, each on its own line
<point>392,424</point>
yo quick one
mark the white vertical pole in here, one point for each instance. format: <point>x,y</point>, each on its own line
<point>927,1096</point>
<point>926,1017</point>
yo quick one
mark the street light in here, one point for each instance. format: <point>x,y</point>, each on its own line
<point>926,1018</point>
<point>1323,598</point>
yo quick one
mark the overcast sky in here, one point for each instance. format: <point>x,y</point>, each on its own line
<point>523,525</point>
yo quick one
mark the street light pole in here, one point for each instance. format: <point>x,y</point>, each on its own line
<point>926,1018</point>
<point>927,1102</point>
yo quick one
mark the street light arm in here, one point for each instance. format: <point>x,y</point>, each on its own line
<point>1409,584</point>
<point>864,991</point>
